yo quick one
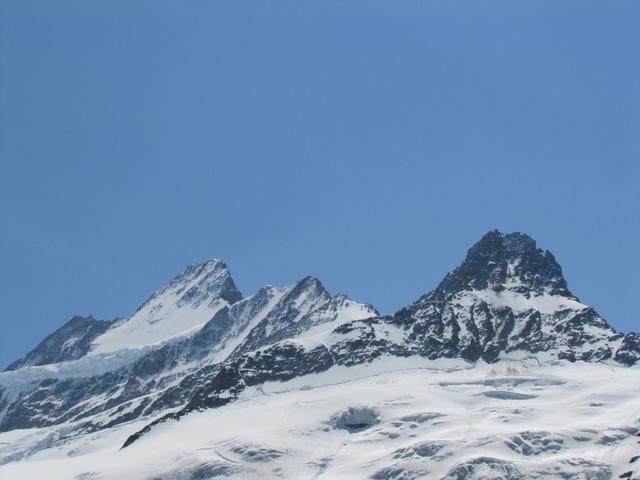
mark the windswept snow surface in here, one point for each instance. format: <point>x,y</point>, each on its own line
<point>390,419</point>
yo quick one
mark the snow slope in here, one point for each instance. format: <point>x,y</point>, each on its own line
<point>414,418</point>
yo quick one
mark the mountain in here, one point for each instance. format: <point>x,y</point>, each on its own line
<point>197,320</point>
<point>190,300</point>
<point>197,346</point>
<point>71,341</point>
<point>508,296</point>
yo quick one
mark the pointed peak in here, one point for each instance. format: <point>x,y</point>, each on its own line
<point>309,283</point>
<point>80,319</point>
<point>308,286</point>
<point>210,276</point>
<point>342,300</point>
<point>199,282</point>
<point>261,297</point>
<point>188,301</point>
<point>206,266</point>
<point>512,260</point>
<point>310,280</point>
<point>495,242</point>
<point>507,245</point>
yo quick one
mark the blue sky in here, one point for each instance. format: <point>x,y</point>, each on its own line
<point>369,143</point>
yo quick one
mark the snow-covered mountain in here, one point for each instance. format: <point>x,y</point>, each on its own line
<point>499,372</point>
<point>507,298</point>
<point>181,307</point>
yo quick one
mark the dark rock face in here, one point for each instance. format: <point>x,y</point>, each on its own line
<point>497,258</point>
<point>629,351</point>
<point>399,473</point>
<point>535,443</point>
<point>69,342</point>
<point>484,467</point>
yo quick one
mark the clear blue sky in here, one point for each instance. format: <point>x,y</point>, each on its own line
<point>367,142</point>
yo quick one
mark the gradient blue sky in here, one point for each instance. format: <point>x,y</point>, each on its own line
<point>367,142</point>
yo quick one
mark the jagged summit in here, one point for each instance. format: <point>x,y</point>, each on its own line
<point>507,296</point>
<point>309,286</point>
<point>187,302</point>
<point>501,261</point>
<point>302,306</point>
<point>202,280</point>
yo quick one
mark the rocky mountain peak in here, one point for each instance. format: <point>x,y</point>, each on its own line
<point>201,281</point>
<point>500,261</point>
<point>507,296</point>
<point>189,301</point>
<point>309,285</point>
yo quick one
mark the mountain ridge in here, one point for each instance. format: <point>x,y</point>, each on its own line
<point>198,345</point>
<point>507,299</point>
